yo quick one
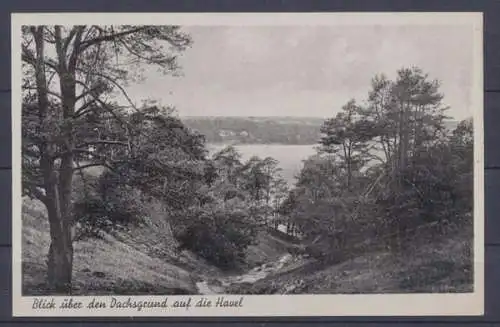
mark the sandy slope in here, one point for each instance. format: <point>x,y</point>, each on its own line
<point>101,266</point>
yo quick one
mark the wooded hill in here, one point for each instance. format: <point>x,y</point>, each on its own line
<point>257,130</point>
<point>263,130</point>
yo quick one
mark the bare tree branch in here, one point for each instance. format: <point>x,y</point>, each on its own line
<point>70,37</point>
<point>28,57</point>
<point>110,37</point>
<point>101,142</point>
<point>97,164</point>
<point>151,60</point>
<point>83,109</point>
<point>115,83</point>
<point>57,95</point>
<point>76,49</point>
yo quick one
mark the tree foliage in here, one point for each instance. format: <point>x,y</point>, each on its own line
<point>423,174</point>
<point>347,136</point>
<point>238,199</point>
<point>68,72</point>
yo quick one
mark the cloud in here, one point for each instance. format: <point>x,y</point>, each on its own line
<point>308,70</point>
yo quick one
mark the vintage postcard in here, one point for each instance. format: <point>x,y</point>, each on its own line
<point>275,164</point>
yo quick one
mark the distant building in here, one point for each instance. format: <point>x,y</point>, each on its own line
<point>224,133</point>
<point>282,228</point>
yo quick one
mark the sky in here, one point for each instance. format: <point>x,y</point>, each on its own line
<point>307,70</point>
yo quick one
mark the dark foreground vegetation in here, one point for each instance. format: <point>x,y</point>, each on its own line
<point>127,200</point>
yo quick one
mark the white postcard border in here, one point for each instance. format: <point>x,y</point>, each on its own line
<point>263,305</point>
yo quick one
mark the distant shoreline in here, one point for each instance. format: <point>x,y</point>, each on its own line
<point>256,143</point>
<point>264,130</point>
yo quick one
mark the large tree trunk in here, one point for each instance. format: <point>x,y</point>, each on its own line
<point>56,161</point>
<point>58,202</point>
<point>62,251</point>
<point>60,257</point>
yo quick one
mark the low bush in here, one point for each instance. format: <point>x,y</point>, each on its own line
<point>218,235</point>
<point>103,205</point>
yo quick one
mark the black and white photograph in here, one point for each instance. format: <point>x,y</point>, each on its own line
<point>247,164</point>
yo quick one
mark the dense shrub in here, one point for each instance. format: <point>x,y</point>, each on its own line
<point>106,205</point>
<point>435,188</point>
<point>219,235</point>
